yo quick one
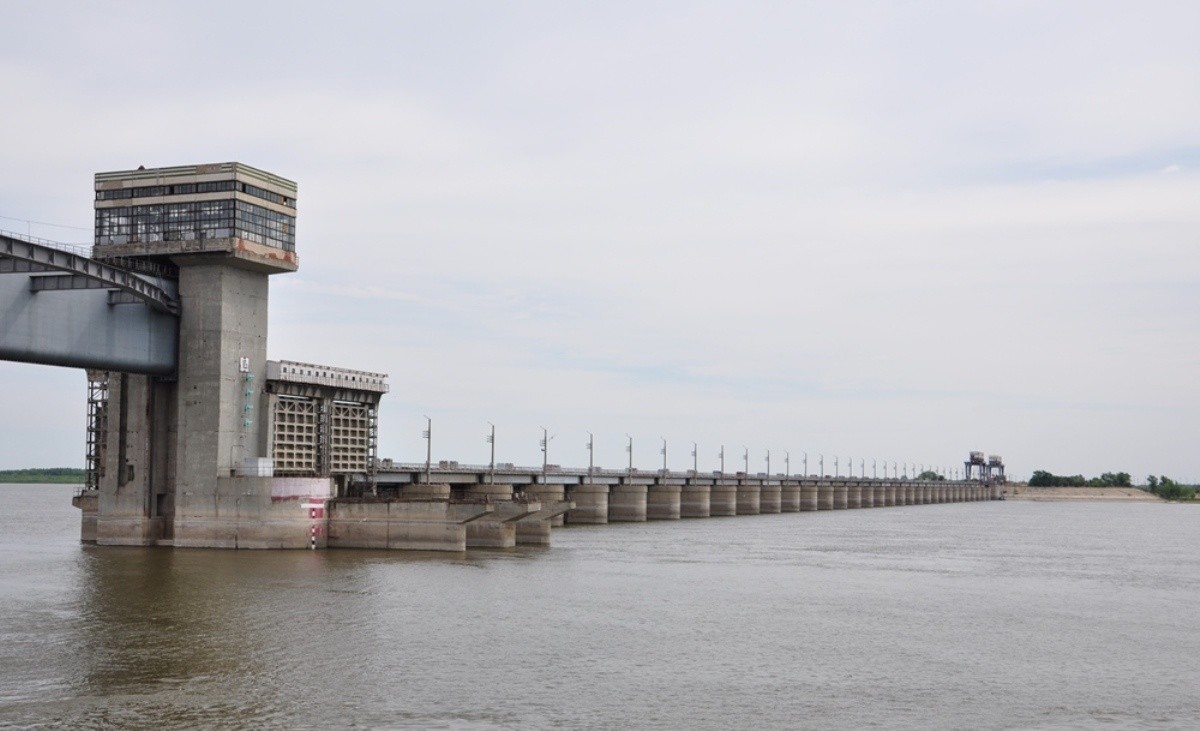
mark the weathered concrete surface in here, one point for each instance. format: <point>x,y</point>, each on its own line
<point>694,501</point>
<point>841,496</point>
<point>824,496</point>
<point>866,495</point>
<point>789,497</point>
<point>400,524</point>
<point>549,494</point>
<point>591,504</point>
<point>889,496</point>
<point>749,499</point>
<point>663,502</point>
<point>627,504</point>
<point>87,502</point>
<point>879,494</point>
<point>535,529</point>
<point>809,496</point>
<point>769,499</point>
<point>498,529</point>
<point>854,495</point>
<point>723,499</point>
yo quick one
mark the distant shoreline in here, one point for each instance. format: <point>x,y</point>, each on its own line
<point>43,476</point>
<point>1119,494</point>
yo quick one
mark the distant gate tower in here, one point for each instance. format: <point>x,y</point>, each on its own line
<point>177,446</point>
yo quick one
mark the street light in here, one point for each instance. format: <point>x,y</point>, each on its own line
<point>545,452</point>
<point>722,456</point>
<point>695,460</point>
<point>787,463</point>
<point>746,459</point>
<point>768,464</point>
<point>629,448</point>
<point>428,436</point>
<point>664,454</point>
<point>491,439</point>
<point>835,465</point>
<point>806,464</point>
<point>874,470</point>
<point>821,463</point>
<point>591,448</point>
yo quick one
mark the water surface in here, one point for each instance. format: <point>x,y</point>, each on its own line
<point>1004,615</point>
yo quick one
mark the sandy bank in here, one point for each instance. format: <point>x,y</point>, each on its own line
<point>1024,492</point>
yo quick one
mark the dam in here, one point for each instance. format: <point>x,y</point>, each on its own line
<point>196,439</point>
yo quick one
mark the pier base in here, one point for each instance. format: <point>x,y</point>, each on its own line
<point>663,502</point>
<point>694,501</point>
<point>627,504</point>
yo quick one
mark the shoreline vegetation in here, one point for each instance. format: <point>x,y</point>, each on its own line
<point>43,476</point>
<point>1045,485</point>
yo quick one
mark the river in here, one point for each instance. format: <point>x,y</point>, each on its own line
<point>1001,615</point>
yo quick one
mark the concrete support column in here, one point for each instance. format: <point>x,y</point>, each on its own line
<point>627,504</point>
<point>840,496</point>
<point>854,495</point>
<point>881,494</point>
<point>591,504</point>
<point>927,494</point>
<point>723,499</point>
<point>497,529</point>
<point>789,497</point>
<point>663,502</point>
<point>824,496</point>
<point>694,501</point>
<point>549,494</point>
<point>866,497</point>
<point>808,496</point>
<point>889,495</point>
<point>748,499</point>
<point>769,497</point>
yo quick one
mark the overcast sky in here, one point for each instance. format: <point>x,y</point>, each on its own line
<point>892,231</point>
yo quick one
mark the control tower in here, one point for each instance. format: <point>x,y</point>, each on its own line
<point>186,459</point>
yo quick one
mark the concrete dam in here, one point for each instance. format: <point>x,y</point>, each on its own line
<point>195,439</point>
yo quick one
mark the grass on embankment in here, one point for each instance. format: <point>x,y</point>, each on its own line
<point>48,475</point>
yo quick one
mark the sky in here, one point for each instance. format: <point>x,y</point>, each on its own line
<point>880,231</point>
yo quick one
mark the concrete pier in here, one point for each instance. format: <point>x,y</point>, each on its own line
<point>694,501</point>
<point>400,524</point>
<point>889,496</point>
<point>809,495</point>
<point>627,503</point>
<point>534,530</point>
<point>749,499</point>
<point>723,499</point>
<point>840,496</point>
<point>866,498</point>
<point>854,495</point>
<point>824,496</point>
<point>591,504</point>
<point>789,497</point>
<point>664,502</point>
<point>769,497</point>
<point>547,494</point>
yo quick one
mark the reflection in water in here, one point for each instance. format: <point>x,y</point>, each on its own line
<point>1004,615</point>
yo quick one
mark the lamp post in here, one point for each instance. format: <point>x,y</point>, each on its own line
<point>768,465</point>
<point>835,466</point>
<point>545,452</point>
<point>428,436</point>
<point>722,456</point>
<point>787,464</point>
<point>695,460</point>
<point>746,460</point>
<point>629,449</point>
<point>821,465</point>
<point>591,448</point>
<point>491,439</point>
<point>862,468</point>
<point>874,470</point>
<point>806,464</point>
<point>664,454</point>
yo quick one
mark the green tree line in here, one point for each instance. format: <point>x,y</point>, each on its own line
<point>49,475</point>
<point>1169,489</point>
<point>1042,478</point>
